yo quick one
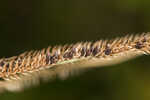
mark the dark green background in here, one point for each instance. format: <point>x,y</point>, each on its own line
<point>35,24</point>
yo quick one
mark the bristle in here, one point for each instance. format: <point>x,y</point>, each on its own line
<point>61,61</point>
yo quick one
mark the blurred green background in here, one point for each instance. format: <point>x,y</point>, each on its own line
<point>35,24</point>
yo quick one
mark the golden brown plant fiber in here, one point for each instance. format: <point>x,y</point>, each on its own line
<point>29,68</point>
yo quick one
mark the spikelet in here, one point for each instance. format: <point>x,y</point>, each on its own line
<point>29,68</point>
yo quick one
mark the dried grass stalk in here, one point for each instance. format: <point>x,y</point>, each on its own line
<point>30,68</point>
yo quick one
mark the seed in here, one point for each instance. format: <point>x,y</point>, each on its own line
<point>70,55</point>
<point>83,51</point>
<point>95,51</point>
<point>88,52</point>
<point>107,51</point>
<point>52,59</point>
<point>2,63</point>
<point>14,63</point>
<point>47,59</point>
<point>73,50</point>
<point>138,45</point>
<point>7,65</point>
<point>66,55</point>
